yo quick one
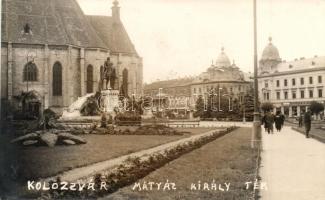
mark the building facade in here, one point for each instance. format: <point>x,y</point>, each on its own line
<point>290,86</point>
<point>52,49</point>
<point>221,78</point>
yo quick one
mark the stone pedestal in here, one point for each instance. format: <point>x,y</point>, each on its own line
<point>147,114</point>
<point>109,100</point>
<point>191,115</point>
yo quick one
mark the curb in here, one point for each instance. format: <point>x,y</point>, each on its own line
<point>316,137</point>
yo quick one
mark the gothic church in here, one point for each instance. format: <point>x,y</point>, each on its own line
<point>53,51</point>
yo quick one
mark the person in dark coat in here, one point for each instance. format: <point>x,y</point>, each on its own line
<point>278,120</point>
<point>263,122</point>
<point>300,119</point>
<point>269,120</point>
<point>307,122</point>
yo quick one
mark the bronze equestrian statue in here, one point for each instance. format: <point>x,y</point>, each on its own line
<point>107,73</point>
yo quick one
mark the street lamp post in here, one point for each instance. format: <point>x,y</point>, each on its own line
<point>159,99</point>
<point>229,102</point>
<point>219,99</point>
<point>256,133</point>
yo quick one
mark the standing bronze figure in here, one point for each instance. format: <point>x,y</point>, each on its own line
<point>107,73</point>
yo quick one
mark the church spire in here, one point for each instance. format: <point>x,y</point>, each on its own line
<point>116,11</point>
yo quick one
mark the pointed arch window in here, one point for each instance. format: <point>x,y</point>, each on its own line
<point>125,82</point>
<point>90,79</point>
<point>30,72</point>
<point>57,79</point>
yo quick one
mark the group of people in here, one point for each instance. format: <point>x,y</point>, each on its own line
<point>269,119</point>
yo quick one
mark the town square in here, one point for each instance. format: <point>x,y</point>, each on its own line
<point>141,99</point>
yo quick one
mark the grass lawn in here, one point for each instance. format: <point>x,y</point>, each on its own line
<point>41,162</point>
<point>315,130</point>
<point>227,159</point>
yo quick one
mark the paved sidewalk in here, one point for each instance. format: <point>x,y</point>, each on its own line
<point>292,166</point>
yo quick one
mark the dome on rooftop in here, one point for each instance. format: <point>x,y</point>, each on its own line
<point>270,52</point>
<point>222,60</point>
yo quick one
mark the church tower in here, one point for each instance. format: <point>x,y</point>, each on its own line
<point>116,11</point>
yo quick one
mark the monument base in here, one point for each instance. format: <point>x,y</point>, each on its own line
<point>108,101</point>
<point>147,114</point>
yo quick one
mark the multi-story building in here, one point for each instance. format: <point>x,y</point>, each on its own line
<point>290,86</point>
<point>221,77</point>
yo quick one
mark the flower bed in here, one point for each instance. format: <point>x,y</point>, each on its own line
<point>134,169</point>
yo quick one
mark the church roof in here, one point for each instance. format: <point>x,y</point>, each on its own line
<point>270,52</point>
<point>113,33</point>
<point>58,22</point>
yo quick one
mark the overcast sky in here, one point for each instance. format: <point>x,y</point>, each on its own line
<point>177,38</point>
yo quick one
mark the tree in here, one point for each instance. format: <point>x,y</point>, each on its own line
<point>316,107</point>
<point>199,107</point>
<point>248,107</point>
<point>267,106</point>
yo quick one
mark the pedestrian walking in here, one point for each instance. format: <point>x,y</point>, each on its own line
<point>264,123</point>
<point>300,119</point>
<point>282,119</point>
<point>307,122</point>
<point>278,120</point>
<point>269,121</point>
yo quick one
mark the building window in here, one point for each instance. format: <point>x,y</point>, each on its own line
<point>278,95</point>
<point>194,90</point>
<point>320,93</point>
<point>294,96</point>
<point>27,29</point>
<point>285,82</point>
<point>319,79</point>
<point>30,72</point>
<point>277,83</point>
<point>200,91</point>
<point>90,79</point>
<point>285,95</point>
<point>302,81</point>
<point>266,84</point>
<point>293,82</point>
<point>302,94</point>
<point>311,80</point>
<point>239,88</point>
<point>125,83</point>
<point>57,79</point>
<point>311,94</point>
<point>268,96</point>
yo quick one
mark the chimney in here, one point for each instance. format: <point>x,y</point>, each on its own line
<point>116,11</point>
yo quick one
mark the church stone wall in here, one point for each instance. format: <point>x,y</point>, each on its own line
<point>96,58</point>
<point>61,55</point>
<point>21,55</point>
<point>134,66</point>
<point>4,75</point>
